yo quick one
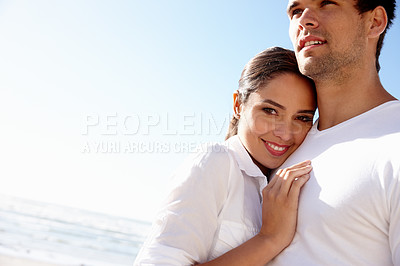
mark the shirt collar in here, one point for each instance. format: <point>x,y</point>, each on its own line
<point>242,157</point>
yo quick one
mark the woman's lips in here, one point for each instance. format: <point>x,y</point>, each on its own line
<point>275,149</point>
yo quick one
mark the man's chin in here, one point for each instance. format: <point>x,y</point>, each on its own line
<point>310,67</point>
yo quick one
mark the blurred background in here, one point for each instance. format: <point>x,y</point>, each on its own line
<point>101,100</point>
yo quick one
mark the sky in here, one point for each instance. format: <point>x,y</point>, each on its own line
<point>101,100</point>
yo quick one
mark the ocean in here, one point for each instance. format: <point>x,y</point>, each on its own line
<point>67,236</point>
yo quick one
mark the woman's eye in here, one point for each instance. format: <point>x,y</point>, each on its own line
<point>305,119</point>
<point>270,111</point>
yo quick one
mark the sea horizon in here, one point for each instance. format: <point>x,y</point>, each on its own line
<point>64,235</point>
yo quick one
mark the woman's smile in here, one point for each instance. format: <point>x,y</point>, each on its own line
<point>275,149</point>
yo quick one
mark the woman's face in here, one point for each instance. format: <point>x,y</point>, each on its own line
<point>275,119</point>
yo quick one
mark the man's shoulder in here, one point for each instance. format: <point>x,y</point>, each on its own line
<point>381,120</point>
<point>391,108</point>
<point>388,116</point>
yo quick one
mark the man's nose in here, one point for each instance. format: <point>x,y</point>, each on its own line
<point>308,19</point>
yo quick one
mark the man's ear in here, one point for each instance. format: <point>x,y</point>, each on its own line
<point>378,22</point>
<point>236,105</point>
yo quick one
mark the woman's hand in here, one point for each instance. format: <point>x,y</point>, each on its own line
<point>280,204</point>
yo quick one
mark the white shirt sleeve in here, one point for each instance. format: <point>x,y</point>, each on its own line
<point>184,230</point>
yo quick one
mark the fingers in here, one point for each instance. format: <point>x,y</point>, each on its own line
<point>284,179</point>
<point>281,172</point>
<point>298,165</point>
<point>272,182</point>
<point>297,184</point>
<point>290,175</point>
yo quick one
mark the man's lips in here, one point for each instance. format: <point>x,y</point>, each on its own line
<point>276,149</point>
<point>310,41</point>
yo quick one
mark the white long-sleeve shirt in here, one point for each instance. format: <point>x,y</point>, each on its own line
<point>214,206</point>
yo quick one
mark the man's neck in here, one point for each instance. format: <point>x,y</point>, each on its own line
<point>344,99</point>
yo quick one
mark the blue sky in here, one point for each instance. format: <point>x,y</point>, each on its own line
<point>101,100</point>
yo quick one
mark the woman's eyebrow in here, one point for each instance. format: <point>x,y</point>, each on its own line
<point>312,112</point>
<point>274,103</point>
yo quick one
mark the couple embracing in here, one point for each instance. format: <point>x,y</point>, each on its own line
<point>336,199</point>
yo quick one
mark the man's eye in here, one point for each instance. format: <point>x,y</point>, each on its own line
<point>296,12</point>
<point>326,2</point>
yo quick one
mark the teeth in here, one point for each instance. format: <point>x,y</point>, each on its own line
<point>276,148</point>
<point>312,43</point>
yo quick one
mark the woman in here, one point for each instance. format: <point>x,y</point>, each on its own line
<point>219,212</point>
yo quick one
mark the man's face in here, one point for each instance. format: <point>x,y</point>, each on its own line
<point>328,36</point>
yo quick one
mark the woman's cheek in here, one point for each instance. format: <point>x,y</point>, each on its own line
<point>260,123</point>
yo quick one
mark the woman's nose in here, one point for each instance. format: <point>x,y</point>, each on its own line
<point>284,131</point>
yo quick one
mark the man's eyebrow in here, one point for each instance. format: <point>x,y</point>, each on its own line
<point>291,6</point>
<point>274,103</point>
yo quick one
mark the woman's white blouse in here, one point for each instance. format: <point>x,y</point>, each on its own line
<point>214,206</point>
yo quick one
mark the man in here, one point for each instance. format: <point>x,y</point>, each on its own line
<point>349,212</point>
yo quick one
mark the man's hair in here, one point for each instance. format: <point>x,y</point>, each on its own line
<point>390,7</point>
